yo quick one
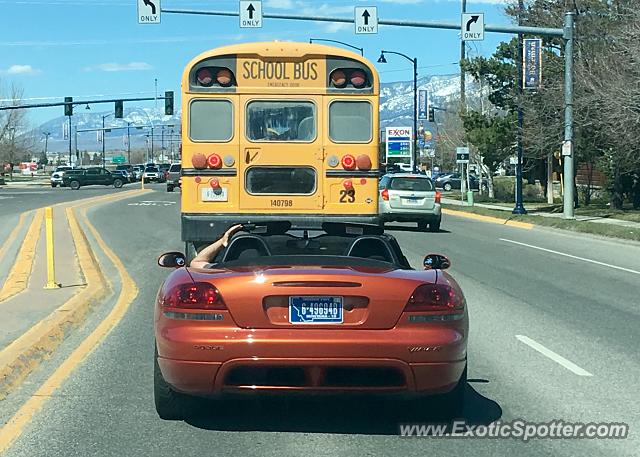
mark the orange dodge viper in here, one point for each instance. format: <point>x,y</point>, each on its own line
<point>337,310</point>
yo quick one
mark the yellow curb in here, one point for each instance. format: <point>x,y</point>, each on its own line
<point>24,354</point>
<point>18,277</point>
<point>14,234</point>
<point>492,220</point>
<point>14,427</point>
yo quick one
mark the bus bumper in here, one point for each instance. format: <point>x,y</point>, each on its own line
<point>208,227</point>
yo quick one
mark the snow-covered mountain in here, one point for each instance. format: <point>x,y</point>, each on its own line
<point>396,103</point>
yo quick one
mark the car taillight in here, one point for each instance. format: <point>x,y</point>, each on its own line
<point>438,197</point>
<point>199,295</point>
<point>385,194</point>
<point>434,297</point>
<point>348,162</point>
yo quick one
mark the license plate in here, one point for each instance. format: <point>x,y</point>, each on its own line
<point>412,201</point>
<point>214,195</point>
<point>315,310</point>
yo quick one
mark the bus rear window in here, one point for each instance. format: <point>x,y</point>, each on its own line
<point>281,121</point>
<point>211,120</point>
<point>350,122</point>
<point>281,180</point>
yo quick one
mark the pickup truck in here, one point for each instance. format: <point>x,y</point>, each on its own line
<point>91,177</point>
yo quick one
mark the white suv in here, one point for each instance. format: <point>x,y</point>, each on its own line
<point>58,174</point>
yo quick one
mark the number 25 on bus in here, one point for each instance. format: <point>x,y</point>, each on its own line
<point>278,130</point>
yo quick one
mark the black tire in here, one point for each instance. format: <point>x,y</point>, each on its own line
<point>435,225</point>
<point>170,405</point>
<point>117,183</point>
<point>53,184</point>
<point>75,185</point>
<point>169,188</point>
<point>455,399</point>
<point>447,187</point>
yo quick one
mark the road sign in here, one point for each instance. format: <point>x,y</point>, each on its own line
<point>472,26</point>
<point>423,104</point>
<point>251,14</point>
<point>462,155</point>
<point>148,11</point>
<point>532,63</point>
<point>399,142</point>
<point>366,19</point>
<point>567,148</point>
<point>118,159</point>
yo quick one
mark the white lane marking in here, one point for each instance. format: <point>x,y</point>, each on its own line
<point>568,364</point>
<point>628,270</point>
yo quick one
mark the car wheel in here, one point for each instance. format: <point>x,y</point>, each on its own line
<point>435,225</point>
<point>170,405</point>
<point>117,183</point>
<point>75,185</point>
<point>53,184</point>
<point>169,188</point>
<point>455,399</point>
<point>447,187</point>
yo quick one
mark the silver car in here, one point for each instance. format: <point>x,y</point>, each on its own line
<point>410,197</point>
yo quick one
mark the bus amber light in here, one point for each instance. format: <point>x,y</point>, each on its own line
<point>348,162</point>
<point>364,162</point>
<point>214,161</point>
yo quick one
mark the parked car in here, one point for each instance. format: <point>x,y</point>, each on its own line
<point>173,177</point>
<point>58,174</point>
<point>92,176</point>
<point>152,174</point>
<point>410,197</point>
<point>453,181</point>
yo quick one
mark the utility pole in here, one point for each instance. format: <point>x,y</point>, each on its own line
<point>70,141</point>
<point>129,143</point>
<point>463,95</point>
<point>519,208</point>
<point>46,142</point>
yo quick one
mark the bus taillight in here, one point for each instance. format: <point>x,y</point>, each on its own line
<point>348,162</point>
<point>363,162</point>
<point>214,161</point>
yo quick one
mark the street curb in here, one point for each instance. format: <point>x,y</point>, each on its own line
<point>489,219</point>
<point>26,353</point>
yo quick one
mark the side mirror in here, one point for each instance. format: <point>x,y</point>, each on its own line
<point>436,262</point>
<point>172,260</point>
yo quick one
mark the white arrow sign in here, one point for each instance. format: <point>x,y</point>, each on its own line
<point>148,11</point>
<point>250,15</point>
<point>472,26</point>
<point>366,19</point>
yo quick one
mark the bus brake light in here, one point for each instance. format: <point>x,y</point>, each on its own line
<point>214,161</point>
<point>348,162</point>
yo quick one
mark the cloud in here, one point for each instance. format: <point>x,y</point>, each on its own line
<point>21,70</point>
<point>281,4</point>
<point>112,66</point>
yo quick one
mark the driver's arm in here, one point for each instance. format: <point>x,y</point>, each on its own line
<point>208,254</point>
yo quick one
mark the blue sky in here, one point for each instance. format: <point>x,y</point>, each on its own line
<point>86,48</point>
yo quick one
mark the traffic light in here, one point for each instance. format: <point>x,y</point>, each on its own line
<point>68,106</point>
<point>119,109</point>
<point>168,103</point>
<point>432,114</point>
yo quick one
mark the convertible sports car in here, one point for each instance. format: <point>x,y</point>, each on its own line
<point>333,311</point>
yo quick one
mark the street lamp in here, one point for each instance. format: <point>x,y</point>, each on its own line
<point>382,59</point>
<point>311,40</point>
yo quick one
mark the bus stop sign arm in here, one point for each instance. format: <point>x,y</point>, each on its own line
<point>566,32</point>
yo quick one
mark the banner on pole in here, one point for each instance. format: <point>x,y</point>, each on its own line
<point>423,104</point>
<point>532,63</point>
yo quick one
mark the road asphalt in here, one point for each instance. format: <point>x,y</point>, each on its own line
<point>574,295</point>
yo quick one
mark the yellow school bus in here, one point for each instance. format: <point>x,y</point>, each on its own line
<point>278,130</point>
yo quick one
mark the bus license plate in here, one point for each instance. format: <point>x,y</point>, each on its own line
<point>214,195</point>
<point>315,310</point>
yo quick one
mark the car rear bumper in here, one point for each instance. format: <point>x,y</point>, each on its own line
<point>413,360</point>
<point>387,213</point>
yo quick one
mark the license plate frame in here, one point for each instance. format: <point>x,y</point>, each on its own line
<point>209,194</point>
<point>309,310</point>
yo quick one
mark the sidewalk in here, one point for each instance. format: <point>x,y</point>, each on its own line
<point>534,212</point>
